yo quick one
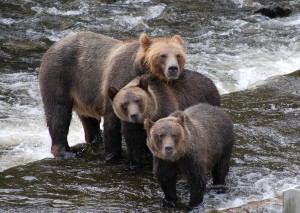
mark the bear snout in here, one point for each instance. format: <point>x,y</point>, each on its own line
<point>173,69</point>
<point>168,149</point>
<point>134,117</point>
<point>173,72</point>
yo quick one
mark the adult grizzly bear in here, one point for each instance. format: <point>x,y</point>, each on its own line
<point>75,74</point>
<point>192,142</point>
<point>149,97</point>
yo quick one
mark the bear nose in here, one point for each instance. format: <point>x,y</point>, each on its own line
<point>173,69</point>
<point>134,116</point>
<point>169,149</point>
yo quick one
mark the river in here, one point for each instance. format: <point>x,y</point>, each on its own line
<point>252,59</point>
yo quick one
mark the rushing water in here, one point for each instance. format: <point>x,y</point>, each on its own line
<point>224,41</point>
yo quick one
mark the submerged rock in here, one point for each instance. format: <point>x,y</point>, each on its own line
<point>274,10</point>
<point>254,206</point>
<point>108,1</point>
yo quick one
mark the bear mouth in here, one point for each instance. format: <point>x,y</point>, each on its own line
<point>169,151</point>
<point>170,157</point>
<point>172,76</point>
<point>135,119</point>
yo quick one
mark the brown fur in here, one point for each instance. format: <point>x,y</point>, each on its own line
<point>194,142</point>
<point>128,40</point>
<point>145,96</point>
<point>149,97</point>
<point>75,74</point>
<point>160,54</point>
<point>180,143</point>
<point>158,98</point>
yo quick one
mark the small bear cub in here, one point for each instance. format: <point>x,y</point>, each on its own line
<point>192,142</point>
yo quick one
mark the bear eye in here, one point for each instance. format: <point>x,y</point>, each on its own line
<point>124,105</point>
<point>178,56</point>
<point>163,56</point>
<point>174,136</point>
<point>137,101</point>
<point>161,135</point>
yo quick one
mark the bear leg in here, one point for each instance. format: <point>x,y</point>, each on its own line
<point>58,117</point>
<point>135,138</point>
<point>197,185</point>
<point>220,171</point>
<point>112,137</point>
<point>91,129</point>
<point>166,173</point>
<point>196,178</point>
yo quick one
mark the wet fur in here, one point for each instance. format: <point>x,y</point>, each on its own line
<point>164,98</point>
<point>206,146</point>
<point>158,46</point>
<point>75,74</point>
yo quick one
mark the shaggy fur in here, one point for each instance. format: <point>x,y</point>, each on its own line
<point>162,54</point>
<point>192,142</point>
<point>149,97</point>
<point>75,74</point>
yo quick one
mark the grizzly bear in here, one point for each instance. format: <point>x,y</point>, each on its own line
<point>149,97</point>
<point>76,71</point>
<point>192,142</point>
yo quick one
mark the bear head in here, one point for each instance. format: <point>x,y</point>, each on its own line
<point>166,137</point>
<point>133,102</point>
<point>164,57</point>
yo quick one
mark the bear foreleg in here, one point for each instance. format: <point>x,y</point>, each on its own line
<point>166,173</point>
<point>112,137</point>
<point>196,178</point>
<point>135,138</point>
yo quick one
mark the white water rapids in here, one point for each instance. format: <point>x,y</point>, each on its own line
<point>235,56</point>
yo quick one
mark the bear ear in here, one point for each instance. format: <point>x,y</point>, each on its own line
<point>178,39</point>
<point>112,92</point>
<point>148,124</point>
<point>180,117</point>
<point>143,83</point>
<point>145,41</point>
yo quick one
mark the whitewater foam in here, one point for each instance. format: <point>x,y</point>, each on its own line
<point>23,133</point>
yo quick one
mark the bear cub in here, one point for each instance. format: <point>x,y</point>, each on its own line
<point>192,142</point>
<point>149,97</point>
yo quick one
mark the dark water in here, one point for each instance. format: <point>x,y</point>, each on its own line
<point>224,40</point>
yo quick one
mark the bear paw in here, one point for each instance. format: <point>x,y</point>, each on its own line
<point>132,170</point>
<point>69,155</point>
<point>220,189</point>
<point>114,158</point>
<point>97,140</point>
<point>169,204</point>
<point>63,152</point>
<point>198,206</point>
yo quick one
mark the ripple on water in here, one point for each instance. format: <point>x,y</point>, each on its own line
<point>233,47</point>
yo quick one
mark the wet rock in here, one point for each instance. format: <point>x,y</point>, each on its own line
<point>274,10</point>
<point>254,206</point>
<point>108,1</point>
<point>26,46</point>
<point>141,27</point>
